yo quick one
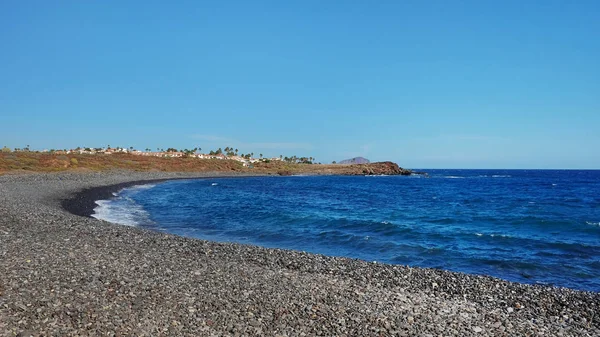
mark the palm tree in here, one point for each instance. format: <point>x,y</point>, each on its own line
<point>236,151</point>
<point>260,156</point>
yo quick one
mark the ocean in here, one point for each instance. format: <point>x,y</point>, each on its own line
<point>530,226</point>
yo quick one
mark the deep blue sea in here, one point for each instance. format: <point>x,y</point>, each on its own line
<point>532,226</point>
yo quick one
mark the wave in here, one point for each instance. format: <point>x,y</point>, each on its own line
<point>494,235</point>
<point>122,209</point>
<point>137,188</point>
<point>593,223</point>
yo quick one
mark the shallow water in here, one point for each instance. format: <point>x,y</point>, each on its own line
<point>532,226</point>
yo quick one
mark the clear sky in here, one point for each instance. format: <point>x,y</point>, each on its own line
<point>427,84</point>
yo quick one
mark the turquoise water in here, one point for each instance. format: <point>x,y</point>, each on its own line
<point>530,226</point>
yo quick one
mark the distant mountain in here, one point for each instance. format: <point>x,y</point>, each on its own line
<point>356,160</point>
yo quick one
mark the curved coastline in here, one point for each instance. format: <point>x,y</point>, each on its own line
<point>82,203</point>
<point>75,275</point>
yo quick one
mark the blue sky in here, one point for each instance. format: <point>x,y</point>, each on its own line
<point>427,84</point>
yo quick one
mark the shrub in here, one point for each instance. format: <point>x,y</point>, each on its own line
<point>74,161</point>
<point>6,149</point>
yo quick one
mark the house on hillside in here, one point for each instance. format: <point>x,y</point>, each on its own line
<point>218,156</point>
<point>174,154</point>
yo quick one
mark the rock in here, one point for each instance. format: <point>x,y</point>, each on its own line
<point>380,168</point>
<point>284,172</point>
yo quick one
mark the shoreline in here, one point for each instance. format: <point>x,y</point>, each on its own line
<point>74,275</point>
<point>82,203</point>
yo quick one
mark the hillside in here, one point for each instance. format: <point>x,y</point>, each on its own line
<point>23,162</point>
<point>355,160</point>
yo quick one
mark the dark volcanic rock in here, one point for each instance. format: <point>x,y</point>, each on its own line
<point>284,172</point>
<point>383,168</point>
<point>355,160</point>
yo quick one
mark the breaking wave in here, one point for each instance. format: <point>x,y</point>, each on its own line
<point>123,209</point>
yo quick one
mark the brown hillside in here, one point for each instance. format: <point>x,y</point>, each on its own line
<point>21,162</point>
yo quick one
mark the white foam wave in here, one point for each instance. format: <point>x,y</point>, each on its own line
<point>454,177</point>
<point>124,213</point>
<point>500,235</point>
<point>494,235</point>
<point>140,187</point>
<point>501,176</point>
<point>122,209</point>
<point>593,223</point>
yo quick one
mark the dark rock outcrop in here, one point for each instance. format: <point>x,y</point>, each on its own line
<point>382,168</point>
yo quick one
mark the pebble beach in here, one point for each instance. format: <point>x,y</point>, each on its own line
<point>63,273</point>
